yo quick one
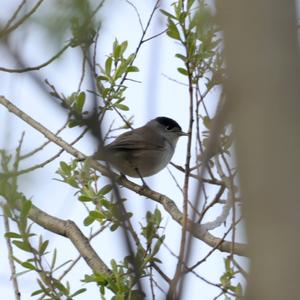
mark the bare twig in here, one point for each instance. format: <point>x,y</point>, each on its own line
<point>7,31</point>
<point>14,16</point>
<point>38,67</point>
<point>75,261</point>
<point>11,260</point>
<point>44,163</point>
<point>24,156</point>
<point>172,293</point>
<point>137,13</point>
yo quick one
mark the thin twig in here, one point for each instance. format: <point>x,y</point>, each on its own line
<point>155,36</point>
<point>44,163</point>
<point>206,180</point>
<point>38,67</point>
<point>137,13</point>
<point>31,153</point>
<point>11,260</point>
<point>75,261</point>
<point>172,293</point>
<point>7,31</point>
<point>13,17</point>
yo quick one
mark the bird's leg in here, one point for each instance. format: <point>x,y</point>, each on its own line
<point>143,181</point>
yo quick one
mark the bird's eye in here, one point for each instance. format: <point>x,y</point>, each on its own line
<point>168,127</point>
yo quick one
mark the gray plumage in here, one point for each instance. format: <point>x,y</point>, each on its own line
<point>144,151</point>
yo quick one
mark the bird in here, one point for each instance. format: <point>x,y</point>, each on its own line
<point>144,151</point>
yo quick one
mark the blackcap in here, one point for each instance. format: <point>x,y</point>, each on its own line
<point>143,151</point>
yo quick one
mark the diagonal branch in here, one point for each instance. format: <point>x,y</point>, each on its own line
<point>70,230</point>
<point>168,204</point>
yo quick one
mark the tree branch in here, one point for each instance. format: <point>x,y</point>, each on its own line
<point>168,204</point>
<point>70,230</point>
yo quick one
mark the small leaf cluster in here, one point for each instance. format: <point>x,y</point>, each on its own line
<point>122,279</point>
<point>110,82</point>
<point>226,281</point>
<point>84,180</point>
<point>150,232</point>
<point>194,28</point>
<point>79,175</point>
<point>75,104</point>
<point>49,286</point>
<point>82,27</point>
<point>21,238</point>
<point>62,291</point>
<point>144,258</point>
<point>119,281</point>
<point>83,33</point>
<point>108,211</point>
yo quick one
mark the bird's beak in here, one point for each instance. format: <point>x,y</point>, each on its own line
<point>181,133</point>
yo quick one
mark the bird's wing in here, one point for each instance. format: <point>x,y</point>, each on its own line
<point>133,140</point>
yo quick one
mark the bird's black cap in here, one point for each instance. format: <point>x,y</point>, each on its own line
<point>167,122</point>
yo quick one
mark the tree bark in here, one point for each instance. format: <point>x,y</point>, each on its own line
<point>261,52</point>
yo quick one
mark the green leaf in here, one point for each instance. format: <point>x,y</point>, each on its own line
<point>74,122</point>
<point>167,14</point>
<point>114,227</point>
<point>132,69</point>
<point>173,31</point>
<point>85,198</point>
<point>12,235</point>
<point>102,77</point>
<point>72,182</point>
<point>227,264</point>
<point>182,17</point>
<point>23,246</point>
<point>121,69</point>
<point>80,102</point>
<point>78,292</point>
<point>88,220</point>
<point>131,58</point>
<point>53,261</point>
<point>114,265</point>
<point>43,247</point>
<point>28,265</point>
<point>180,56</point>
<point>37,292</point>
<point>95,214</point>
<point>65,168</point>
<point>105,203</point>
<point>157,215</point>
<point>61,287</point>
<point>119,49</point>
<point>106,189</point>
<point>117,52</point>
<point>183,71</point>
<point>124,46</point>
<point>178,8</point>
<point>27,204</point>
<point>108,65</point>
<point>121,106</point>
